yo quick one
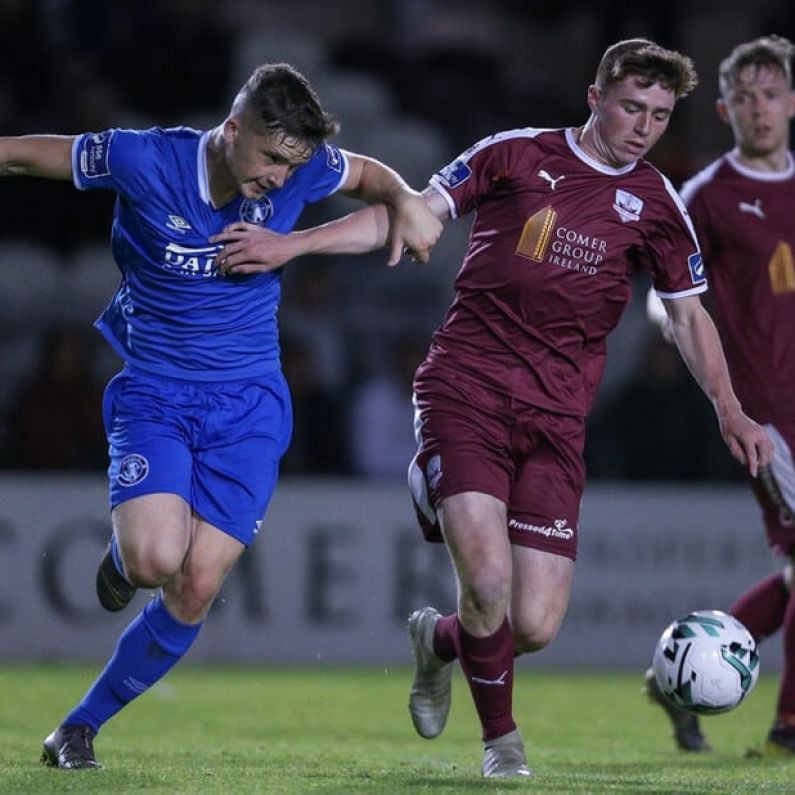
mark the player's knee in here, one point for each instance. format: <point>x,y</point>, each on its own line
<point>487,591</point>
<point>533,636</point>
<point>195,595</point>
<point>151,568</point>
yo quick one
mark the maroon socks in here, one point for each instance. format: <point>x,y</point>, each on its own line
<point>762,607</point>
<point>487,664</point>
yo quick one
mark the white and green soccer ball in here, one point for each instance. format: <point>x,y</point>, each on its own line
<point>706,662</point>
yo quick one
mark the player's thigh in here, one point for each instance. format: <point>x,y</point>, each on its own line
<point>540,595</point>
<point>473,526</point>
<point>775,489</point>
<point>463,433</point>
<point>236,469</point>
<point>547,489</point>
<point>154,534</point>
<point>149,434</point>
<point>212,554</point>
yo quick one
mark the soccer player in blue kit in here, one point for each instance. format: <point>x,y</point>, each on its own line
<point>200,415</point>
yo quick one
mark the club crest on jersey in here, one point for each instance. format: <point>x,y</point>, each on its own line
<point>698,274</point>
<point>133,469</point>
<point>256,211</point>
<point>628,206</point>
<point>93,157</point>
<point>455,173</point>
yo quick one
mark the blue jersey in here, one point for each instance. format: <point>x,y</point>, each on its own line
<point>173,315</point>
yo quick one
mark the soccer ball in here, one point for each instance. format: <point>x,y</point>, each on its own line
<point>706,662</point>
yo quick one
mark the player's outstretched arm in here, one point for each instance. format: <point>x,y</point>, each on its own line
<point>47,156</point>
<point>247,248</point>
<point>699,344</point>
<point>414,227</point>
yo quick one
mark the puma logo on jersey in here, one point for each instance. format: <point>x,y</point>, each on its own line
<point>553,181</point>
<point>499,681</point>
<point>754,209</point>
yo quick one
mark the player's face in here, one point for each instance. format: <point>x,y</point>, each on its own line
<point>627,119</point>
<point>759,107</point>
<point>260,161</point>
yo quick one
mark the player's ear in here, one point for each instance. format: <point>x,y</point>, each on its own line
<point>594,95</point>
<point>723,111</point>
<point>231,129</point>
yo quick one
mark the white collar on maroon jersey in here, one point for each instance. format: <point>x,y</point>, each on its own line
<point>571,140</point>
<point>763,176</point>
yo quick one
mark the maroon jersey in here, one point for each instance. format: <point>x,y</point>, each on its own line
<point>745,221</point>
<point>555,240</point>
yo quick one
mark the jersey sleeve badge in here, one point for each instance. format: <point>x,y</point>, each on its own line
<point>455,174</point>
<point>94,150</point>
<point>698,273</point>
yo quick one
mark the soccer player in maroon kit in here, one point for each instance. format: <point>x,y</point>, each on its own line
<point>743,209</point>
<point>562,220</point>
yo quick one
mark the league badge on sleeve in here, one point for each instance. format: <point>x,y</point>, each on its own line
<point>698,273</point>
<point>455,173</point>
<point>94,150</point>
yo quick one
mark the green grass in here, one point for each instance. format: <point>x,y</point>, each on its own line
<point>233,729</point>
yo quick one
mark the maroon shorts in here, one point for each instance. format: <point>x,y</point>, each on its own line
<point>474,439</point>
<point>775,490</point>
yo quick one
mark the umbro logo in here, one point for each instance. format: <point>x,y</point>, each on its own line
<point>553,181</point>
<point>754,209</point>
<point>177,223</point>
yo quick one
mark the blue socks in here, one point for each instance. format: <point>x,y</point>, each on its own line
<point>150,646</point>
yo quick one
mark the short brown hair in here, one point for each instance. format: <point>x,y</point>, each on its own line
<point>771,50</point>
<point>278,97</point>
<point>650,62</point>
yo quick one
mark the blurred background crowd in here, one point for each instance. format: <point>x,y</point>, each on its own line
<point>413,83</point>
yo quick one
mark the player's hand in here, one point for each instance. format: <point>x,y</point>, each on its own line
<point>415,229</point>
<point>248,248</point>
<point>747,441</point>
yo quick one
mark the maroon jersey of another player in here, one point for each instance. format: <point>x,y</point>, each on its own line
<point>746,222</point>
<point>554,243</point>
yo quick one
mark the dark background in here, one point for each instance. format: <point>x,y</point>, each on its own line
<point>413,82</point>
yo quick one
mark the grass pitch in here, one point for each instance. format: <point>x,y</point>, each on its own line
<point>252,730</point>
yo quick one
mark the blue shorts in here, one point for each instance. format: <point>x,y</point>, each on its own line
<point>216,445</point>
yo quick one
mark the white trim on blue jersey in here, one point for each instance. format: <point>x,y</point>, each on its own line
<point>173,314</point>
